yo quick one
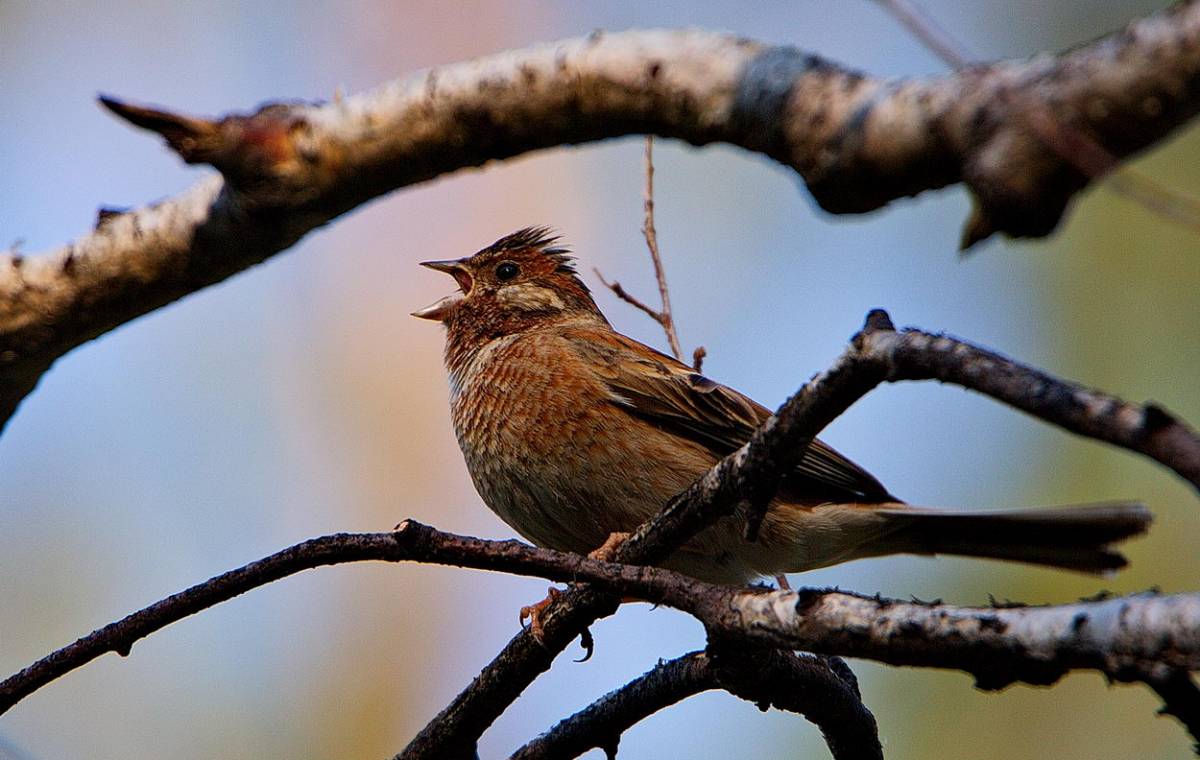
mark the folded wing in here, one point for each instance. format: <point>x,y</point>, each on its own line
<point>663,391</point>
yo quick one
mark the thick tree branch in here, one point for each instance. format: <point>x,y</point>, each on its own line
<point>1127,638</point>
<point>1071,145</point>
<point>858,142</point>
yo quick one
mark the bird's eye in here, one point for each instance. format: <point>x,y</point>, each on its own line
<point>507,271</point>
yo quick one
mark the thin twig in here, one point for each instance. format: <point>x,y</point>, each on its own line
<point>1071,144</point>
<point>665,317</point>
<point>620,292</point>
<point>931,34</point>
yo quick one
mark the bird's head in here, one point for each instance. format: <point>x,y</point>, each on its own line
<point>521,281</point>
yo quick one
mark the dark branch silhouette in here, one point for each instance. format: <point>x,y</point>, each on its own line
<point>600,724</point>
<point>819,688</point>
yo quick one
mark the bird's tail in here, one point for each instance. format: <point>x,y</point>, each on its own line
<point>1076,538</point>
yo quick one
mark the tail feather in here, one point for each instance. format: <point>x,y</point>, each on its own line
<point>1075,538</point>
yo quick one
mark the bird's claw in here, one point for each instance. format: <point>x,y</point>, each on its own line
<point>533,613</point>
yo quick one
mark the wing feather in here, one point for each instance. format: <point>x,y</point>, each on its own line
<point>661,390</point>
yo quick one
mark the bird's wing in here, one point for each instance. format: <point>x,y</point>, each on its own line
<point>663,391</point>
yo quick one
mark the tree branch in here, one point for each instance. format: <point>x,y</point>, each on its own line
<point>809,685</point>
<point>750,476</point>
<point>600,724</point>
<point>666,317</point>
<point>858,142</point>
<point>822,689</point>
<point>1071,145</point>
<point>1127,638</point>
<point>663,316</point>
<point>1147,429</point>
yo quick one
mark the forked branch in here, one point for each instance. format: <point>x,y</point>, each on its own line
<point>663,315</point>
<point>858,142</point>
<point>1154,639</point>
<point>1068,142</point>
<point>1150,638</point>
<point>750,475</point>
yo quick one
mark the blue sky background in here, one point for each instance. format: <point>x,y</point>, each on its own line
<point>299,398</point>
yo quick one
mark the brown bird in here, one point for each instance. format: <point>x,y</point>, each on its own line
<point>573,432</point>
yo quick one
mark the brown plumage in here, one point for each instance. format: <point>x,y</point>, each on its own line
<point>572,431</point>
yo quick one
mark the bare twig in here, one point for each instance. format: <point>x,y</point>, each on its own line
<point>663,315</point>
<point>1069,142</point>
<point>931,34</point>
<point>620,292</point>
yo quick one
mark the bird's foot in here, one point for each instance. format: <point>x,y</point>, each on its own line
<point>534,612</point>
<point>609,548</point>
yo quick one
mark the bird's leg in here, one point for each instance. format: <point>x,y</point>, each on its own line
<point>533,612</point>
<point>605,554</point>
<point>782,581</point>
<point>607,549</point>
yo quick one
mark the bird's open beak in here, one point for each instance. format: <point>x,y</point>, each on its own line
<point>441,309</point>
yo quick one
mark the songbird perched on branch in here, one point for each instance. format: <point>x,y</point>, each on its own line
<point>572,432</point>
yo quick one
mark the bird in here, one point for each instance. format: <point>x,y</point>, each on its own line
<point>574,433</point>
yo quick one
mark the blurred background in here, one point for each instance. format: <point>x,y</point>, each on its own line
<point>300,398</point>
